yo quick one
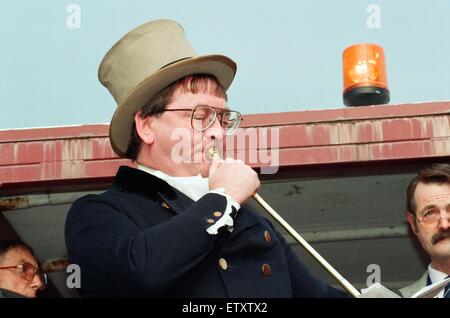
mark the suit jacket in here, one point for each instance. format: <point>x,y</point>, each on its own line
<point>144,238</point>
<point>410,290</point>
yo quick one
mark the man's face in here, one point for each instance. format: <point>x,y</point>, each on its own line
<point>181,149</point>
<point>11,279</point>
<point>435,240</point>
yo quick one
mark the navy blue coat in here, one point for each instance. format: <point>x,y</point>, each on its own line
<point>145,238</point>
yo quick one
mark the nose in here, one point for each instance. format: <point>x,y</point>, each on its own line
<point>444,223</point>
<point>37,282</point>
<point>215,131</point>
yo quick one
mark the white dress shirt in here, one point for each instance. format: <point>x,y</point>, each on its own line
<point>436,276</point>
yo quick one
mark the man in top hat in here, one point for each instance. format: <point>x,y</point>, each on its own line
<point>177,225</point>
<point>428,205</point>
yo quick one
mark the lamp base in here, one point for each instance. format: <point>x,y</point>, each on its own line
<point>366,95</point>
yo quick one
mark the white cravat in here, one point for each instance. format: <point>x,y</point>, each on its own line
<point>196,187</point>
<point>193,186</point>
<point>436,276</point>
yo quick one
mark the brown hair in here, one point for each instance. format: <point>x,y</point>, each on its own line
<point>437,173</point>
<point>7,245</point>
<point>198,83</point>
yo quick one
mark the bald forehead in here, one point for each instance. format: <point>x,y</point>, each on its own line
<point>17,254</point>
<point>431,194</point>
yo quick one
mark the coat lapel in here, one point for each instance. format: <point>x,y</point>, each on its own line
<point>135,180</point>
<point>177,202</point>
<point>138,181</point>
<point>410,290</point>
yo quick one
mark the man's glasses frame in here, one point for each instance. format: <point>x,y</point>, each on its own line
<point>431,218</point>
<point>28,271</point>
<point>230,126</point>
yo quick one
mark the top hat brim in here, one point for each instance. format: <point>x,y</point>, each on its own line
<point>221,67</point>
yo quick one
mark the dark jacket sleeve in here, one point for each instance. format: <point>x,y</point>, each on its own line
<point>112,250</point>
<point>304,284</point>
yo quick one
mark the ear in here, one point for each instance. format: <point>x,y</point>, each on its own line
<point>144,128</point>
<point>412,221</point>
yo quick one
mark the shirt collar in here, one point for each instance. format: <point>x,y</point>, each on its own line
<point>193,186</point>
<point>435,275</point>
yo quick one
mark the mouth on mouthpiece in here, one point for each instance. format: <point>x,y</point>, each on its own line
<point>212,153</point>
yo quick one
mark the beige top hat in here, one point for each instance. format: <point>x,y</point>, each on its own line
<point>145,61</point>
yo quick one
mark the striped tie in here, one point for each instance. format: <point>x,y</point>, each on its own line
<point>446,290</point>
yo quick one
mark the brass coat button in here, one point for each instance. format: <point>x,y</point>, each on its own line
<point>164,205</point>
<point>267,236</point>
<point>210,221</point>
<point>217,214</point>
<point>266,270</point>
<point>223,264</point>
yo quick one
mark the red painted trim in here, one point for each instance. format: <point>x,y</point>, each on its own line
<point>51,133</point>
<point>346,114</point>
<point>251,120</point>
<point>387,133</point>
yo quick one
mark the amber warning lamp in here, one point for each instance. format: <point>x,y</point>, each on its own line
<point>365,80</point>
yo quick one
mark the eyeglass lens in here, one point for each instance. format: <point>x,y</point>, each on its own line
<point>204,116</point>
<point>28,271</point>
<point>433,217</point>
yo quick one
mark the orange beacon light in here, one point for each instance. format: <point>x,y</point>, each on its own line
<point>365,80</point>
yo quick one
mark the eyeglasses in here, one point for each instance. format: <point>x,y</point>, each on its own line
<point>431,218</point>
<point>28,271</point>
<point>203,117</point>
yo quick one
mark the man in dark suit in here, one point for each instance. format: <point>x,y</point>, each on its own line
<point>177,226</point>
<point>428,204</point>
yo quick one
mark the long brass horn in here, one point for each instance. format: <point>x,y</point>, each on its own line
<point>212,153</point>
